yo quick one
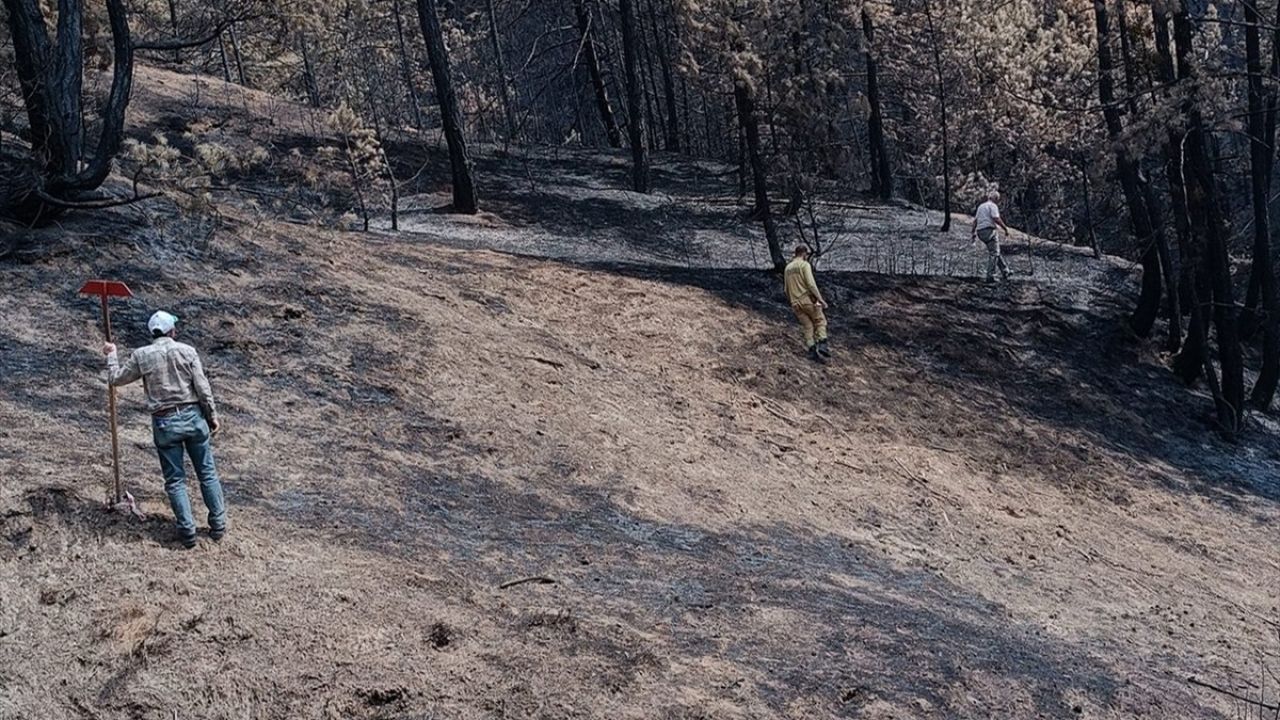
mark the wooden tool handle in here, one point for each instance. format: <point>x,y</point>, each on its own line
<point>111,409</point>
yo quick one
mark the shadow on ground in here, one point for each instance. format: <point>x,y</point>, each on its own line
<point>993,347</point>
<point>856,629</point>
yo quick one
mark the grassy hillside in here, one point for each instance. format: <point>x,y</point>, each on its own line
<point>993,503</point>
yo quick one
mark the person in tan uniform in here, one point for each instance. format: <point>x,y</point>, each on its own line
<point>806,300</point>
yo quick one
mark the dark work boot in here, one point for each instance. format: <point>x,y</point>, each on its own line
<point>814,355</point>
<point>188,541</point>
<point>823,350</point>
<point>216,534</point>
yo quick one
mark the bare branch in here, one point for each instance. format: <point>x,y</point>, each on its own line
<point>1232,694</point>
<point>539,579</point>
<point>188,43</point>
<point>100,204</point>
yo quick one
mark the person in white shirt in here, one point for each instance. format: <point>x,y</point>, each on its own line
<point>985,222</point>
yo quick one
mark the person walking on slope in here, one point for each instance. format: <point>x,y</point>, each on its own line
<point>806,300</point>
<point>985,222</point>
<point>183,417</point>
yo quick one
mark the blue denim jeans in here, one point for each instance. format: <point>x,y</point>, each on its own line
<point>186,430</point>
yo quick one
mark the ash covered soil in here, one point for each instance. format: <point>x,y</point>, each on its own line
<point>992,503</point>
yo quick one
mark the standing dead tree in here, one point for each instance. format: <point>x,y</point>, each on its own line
<point>744,97</point>
<point>881,172</point>
<point>500,65</point>
<point>67,167</point>
<point>635,99</point>
<point>935,53</point>
<point>1148,231</point>
<point>464,189</point>
<point>1262,107</point>
<point>406,65</point>
<point>591,57</point>
<point>1211,263</point>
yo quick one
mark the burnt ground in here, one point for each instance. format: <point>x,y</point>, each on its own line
<point>993,503</point>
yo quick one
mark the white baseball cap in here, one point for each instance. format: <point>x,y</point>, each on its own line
<point>162,321</point>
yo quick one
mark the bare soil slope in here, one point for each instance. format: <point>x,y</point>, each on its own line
<point>991,504</point>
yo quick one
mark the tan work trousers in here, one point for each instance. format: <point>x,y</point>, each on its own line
<point>995,259</point>
<point>812,321</point>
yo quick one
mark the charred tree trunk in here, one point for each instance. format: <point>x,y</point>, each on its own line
<point>942,109</point>
<point>686,125</point>
<point>881,173</point>
<point>745,101</point>
<point>592,59</point>
<point>610,54</point>
<point>648,86</point>
<point>579,122</point>
<point>708,145</point>
<point>308,72</point>
<point>1126,54</point>
<point>740,159</point>
<point>406,67</point>
<point>393,184</point>
<point>51,81</point>
<point>1164,254</point>
<point>1262,131</point>
<point>1193,358</point>
<point>235,52</point>
<point>1088,206</point>
<point>464,189</point>
<point>222,54</point>
<point>653,105</point>
<point>173,28</point>
<point>1145,231</point>
<point>686,107</point>
<point>96,168</point>
<point>1172,289</point>
<point>1207,222</point>
<point>668,80</point>
<point>635,99</point>
<point>495,40</point>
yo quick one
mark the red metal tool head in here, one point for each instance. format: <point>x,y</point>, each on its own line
<point>106,288</point>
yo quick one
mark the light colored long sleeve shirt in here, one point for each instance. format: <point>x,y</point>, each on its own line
<point>802,289</point>
<point>987,217</point>
<point>171,375</point>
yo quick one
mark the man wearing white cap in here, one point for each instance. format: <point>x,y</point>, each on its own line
<point>183,417</point>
